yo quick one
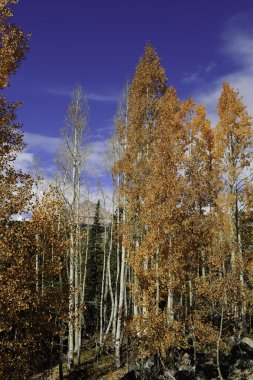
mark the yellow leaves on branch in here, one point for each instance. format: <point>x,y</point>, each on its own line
<point>13,43</point>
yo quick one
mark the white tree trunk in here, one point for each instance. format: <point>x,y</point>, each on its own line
<point>120,305</point>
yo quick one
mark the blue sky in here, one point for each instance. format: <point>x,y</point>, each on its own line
<point>98,43</point>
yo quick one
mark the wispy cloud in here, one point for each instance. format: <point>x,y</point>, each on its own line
<point>106,128</point>
<point>65,91</point>
<point>190,78</point>
<point>210,67</point>
<point>102,98</point>
<point>105,131</point>
<point>58,91</point>
<point>199,75</point>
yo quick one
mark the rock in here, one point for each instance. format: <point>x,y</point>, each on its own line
<point>246,345</point>
<point>241,370</point>
<point>149,363</point>
<point>185,363</point>
<point>240,366</point>
<point>248,341</point>
<point>185,375</point>
<point>200,376</point>
<point>151,367</point>
<point>210,371</point>
<point>231,341</point>
<point>168,375</point>
<point>129,376</point>
<point>236,365</point>
<point>237,354</point>
<point>242,351</point>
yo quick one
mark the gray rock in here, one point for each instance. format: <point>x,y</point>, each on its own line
<point>129,376</point>
<point>185,363</point>
<point>241,370</point>
<point>248,342</point>
<point>168,375</point>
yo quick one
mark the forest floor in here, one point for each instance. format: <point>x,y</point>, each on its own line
<point>91,368</point>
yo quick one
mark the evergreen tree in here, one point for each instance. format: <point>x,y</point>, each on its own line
<point>94,273</point>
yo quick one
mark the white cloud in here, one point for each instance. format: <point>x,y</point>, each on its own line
<point>96,163</point>
<point>239,49</point>
<point>24,161</point>
<point>237,39</point>
<point>41,142</point>
<point>104,193</point>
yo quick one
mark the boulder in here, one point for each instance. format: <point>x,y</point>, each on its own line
<point>185,363</point>
<point>247,341</point>
<point>246,345</point>
<point>129,376</point>
<point>168,375</point>
<point>185,375</point>
<point>241,367</point>
<point>241,370</point>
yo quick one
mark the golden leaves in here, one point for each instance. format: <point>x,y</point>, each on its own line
<point>13,43</point>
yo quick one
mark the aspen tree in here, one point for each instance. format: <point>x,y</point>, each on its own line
<point>110,286</point>
<point>106,283</point>
<point>119,147</point>
<point>50,239</point>
<point>14,43</point>
<point>146,88</point>
<point>83,277</point>
<point>16,191</point>
<point>13,46</point>
<point>200,221</point>
<point>160,212</point>
<point>72,163</point>
<point>234,150</point>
